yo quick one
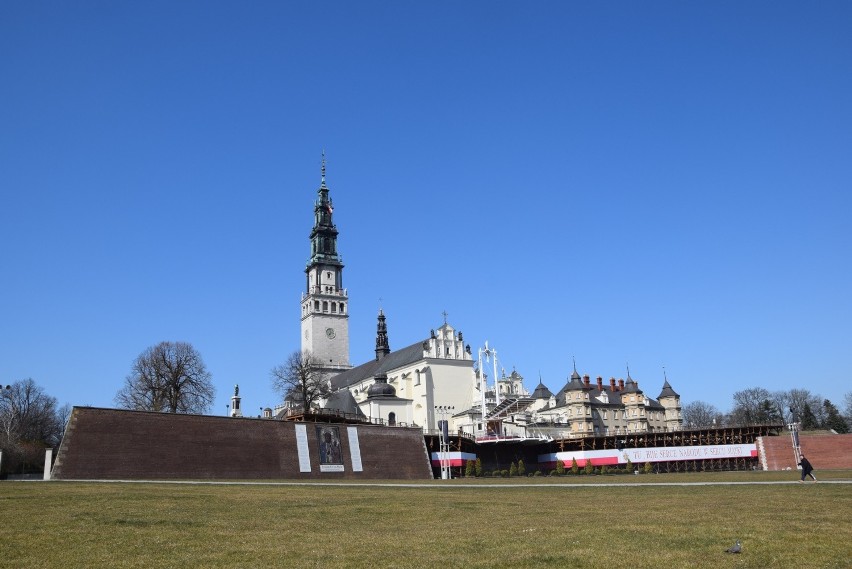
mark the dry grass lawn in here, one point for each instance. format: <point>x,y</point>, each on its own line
<point>634,524</point>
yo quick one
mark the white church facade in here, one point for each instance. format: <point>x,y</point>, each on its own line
<point>436,378</point>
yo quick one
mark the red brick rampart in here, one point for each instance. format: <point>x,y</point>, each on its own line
<point>116,444</point>
<point>824,451</point>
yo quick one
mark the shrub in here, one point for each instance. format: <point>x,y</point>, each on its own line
<point>537,473</point>
<point>589,469</point>
<point>604,469</point>
<point>469,468</point>
<point>648,468</point>
<point>522,469</point>
<point>628,467</point>
<point>554,473</point>
<point>560,467</point>
<point>574,468</point>
<point>513,470</point>
<point>478,467</point>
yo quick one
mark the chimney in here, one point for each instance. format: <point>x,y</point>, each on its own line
<point>637,385</point>
<point>586,379</point>
<point>600,383</point>
<point>621,385</point>
<point>612,384</point>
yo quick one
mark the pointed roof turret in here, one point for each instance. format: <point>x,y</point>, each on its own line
<point>667,389</point>
<point>324,233</point>
<point>575,382</point>
<point>574,375</point>
<point>382,345</point>
<point>541,391</point>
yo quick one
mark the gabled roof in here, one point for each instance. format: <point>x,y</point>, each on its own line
<point>394,360</point>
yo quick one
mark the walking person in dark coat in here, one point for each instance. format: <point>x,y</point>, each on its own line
<point>807,469</point>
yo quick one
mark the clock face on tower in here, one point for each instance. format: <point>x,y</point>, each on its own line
<point>329,332</point>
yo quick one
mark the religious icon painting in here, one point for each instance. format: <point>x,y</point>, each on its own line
<point>329,445</point>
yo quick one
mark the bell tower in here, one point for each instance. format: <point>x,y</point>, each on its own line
<point>325,303</point>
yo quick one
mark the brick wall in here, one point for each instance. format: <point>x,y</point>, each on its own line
<point>116,444</point>
<point>824,451</point>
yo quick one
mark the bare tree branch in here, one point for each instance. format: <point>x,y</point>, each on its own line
<point>169,377</point>
<point>701,415</point>
<point>301,380</point>
<point>29,422</point>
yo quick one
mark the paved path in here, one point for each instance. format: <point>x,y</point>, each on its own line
<point>455,484</point>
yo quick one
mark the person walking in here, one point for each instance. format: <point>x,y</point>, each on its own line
<point>807,469</point>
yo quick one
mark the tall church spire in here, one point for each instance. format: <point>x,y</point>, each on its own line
<point>324,233</point>
<point>382,345</point>
<point>325,303</point>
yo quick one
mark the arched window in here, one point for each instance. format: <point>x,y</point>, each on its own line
<point>325,306</point>
<point>391,418</point>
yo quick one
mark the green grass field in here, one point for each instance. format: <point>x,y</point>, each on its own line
<point>551,523</point>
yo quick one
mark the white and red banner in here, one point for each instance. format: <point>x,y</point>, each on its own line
<point>613,457</point>
<point>455,458</point>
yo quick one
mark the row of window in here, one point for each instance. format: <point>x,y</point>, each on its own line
<point>625,414</point>
<point>327,307</point>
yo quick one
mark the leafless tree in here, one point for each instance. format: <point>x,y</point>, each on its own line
<point>302,379</point>
<point>169,377</point>
<point>801,402</point>
<point>754,406</point>
<point>700,415</point>
<point>29,423</point>
<point>781,401</point>
<point>847,407</point>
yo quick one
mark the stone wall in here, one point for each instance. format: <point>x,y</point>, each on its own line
<point>824,451</point>
<point>115,444</point>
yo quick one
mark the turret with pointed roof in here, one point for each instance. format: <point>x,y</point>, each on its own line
<point>382,345</point>
<point>670,400</point>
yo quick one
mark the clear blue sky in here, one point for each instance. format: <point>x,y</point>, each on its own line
<point>655,183</point>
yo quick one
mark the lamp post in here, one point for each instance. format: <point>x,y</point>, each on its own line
<point>444,438</point>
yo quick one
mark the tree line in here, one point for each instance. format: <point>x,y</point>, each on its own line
<point>759,406</point>
<point>30,422</point>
